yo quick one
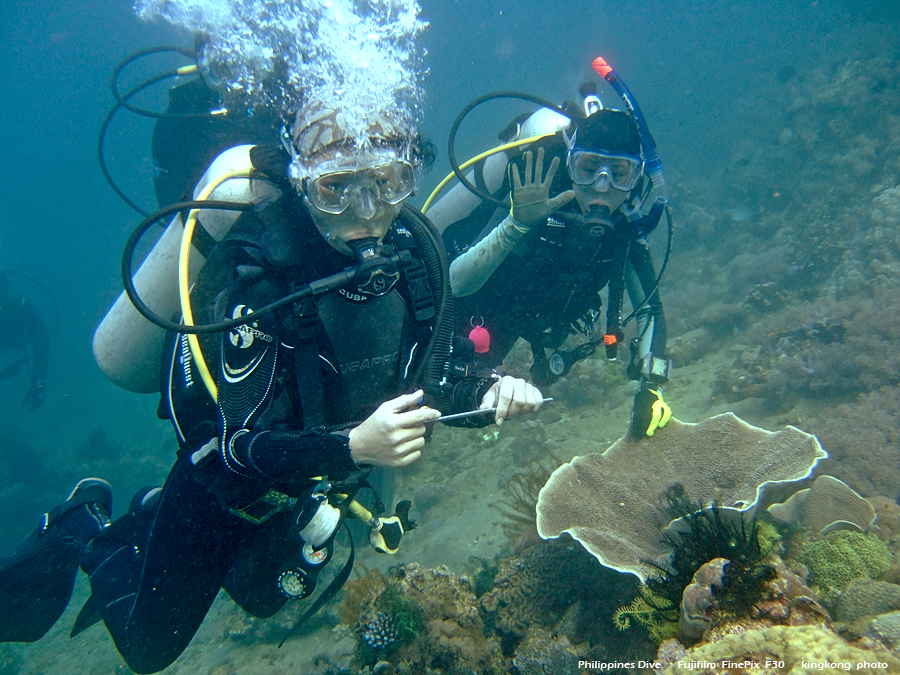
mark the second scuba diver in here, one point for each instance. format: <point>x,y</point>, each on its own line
<point>537,273</point>
<point>299,404</point>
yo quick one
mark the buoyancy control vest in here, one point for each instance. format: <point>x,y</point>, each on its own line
<point>360,347</point>
<point>548,281</point>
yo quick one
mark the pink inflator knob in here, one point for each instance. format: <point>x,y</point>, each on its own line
<point>481,338</point>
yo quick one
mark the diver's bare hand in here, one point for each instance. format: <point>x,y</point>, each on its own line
<point>531,203</point>
<point>393,435</point>
<point>511,396</point>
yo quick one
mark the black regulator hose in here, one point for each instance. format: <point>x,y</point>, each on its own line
<point>421,229</point>
<point>431,248</point>
<point>122,102</point>
<point>101,139</point>
<point>451,142</point>
<point>122,99</point>
<point>321,286</point>
<point>662,269</point>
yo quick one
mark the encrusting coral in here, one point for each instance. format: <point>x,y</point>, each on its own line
<point>866,597</point>
<point>791,650</point>
<point>843,556</point>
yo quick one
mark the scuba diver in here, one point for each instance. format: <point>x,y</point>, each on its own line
<point>317,343</point>
<point>19,318</point>
<point>536,269</point>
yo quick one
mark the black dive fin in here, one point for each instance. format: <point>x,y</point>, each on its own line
<point>87,617</point>
<point>402,512</point>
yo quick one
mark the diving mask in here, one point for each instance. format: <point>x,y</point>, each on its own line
<point>596,169</point>
<point>338,183</point>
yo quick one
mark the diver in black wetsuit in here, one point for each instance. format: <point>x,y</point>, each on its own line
<point>29,344</point>
<point>299,403</point>
<point>537,273</point>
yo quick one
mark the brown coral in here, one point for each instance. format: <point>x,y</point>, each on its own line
<point>828,505</point>
<point>536,587</point>
<point>447,633</point>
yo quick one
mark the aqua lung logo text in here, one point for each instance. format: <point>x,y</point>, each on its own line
<point>186,358</point>
<point>375,362</point>
<point>243,336</point>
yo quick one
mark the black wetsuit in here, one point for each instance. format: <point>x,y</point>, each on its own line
<point>288,384</point>
<point>547,286</point>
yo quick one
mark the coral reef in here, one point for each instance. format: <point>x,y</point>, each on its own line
<point>418,620</point>
<point>562,590</point>
<point>541,653</point>
<point>886,629</point>
<point>614,503</point>
<point>536,587</point>
<point>380,633</point>
<point>830,504</point>
<point>869,460</point>
<point>887,518</point>
<point>866,597</point>
<point>792,646</point>
<point>698,597</point>
<point>843,556</point>
<point>818,349</point>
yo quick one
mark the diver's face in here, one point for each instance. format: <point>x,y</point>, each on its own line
<point>357,197</point>
<point>599,196</point>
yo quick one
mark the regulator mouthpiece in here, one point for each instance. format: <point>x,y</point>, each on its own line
<point>376,274</point>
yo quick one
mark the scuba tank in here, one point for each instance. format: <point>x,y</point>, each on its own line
<point>126,346</point>
<point>460,202</point>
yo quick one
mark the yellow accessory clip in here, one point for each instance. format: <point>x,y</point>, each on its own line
<point>662,413</point>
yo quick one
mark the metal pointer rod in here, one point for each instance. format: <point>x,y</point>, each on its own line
<point>472,413</point>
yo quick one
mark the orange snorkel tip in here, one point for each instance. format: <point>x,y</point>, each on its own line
<point>601,67</point>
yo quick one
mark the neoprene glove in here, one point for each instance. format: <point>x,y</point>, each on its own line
<point>531,203</point>
<point>650,412</point>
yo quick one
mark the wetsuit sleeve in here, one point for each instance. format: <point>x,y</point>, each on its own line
<point>472,269</point>
<point>291,458</point>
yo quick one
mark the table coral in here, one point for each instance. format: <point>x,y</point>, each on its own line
<point>614,503</point>
<point>828,504</point>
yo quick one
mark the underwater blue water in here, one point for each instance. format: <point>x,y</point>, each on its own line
<point>702,71</point>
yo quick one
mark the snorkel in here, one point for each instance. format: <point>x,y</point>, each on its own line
<point>652,161</point>
<point>642,223</point>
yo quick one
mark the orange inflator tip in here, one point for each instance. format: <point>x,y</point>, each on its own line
<point>609,339</point>
<point>601,66</point>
